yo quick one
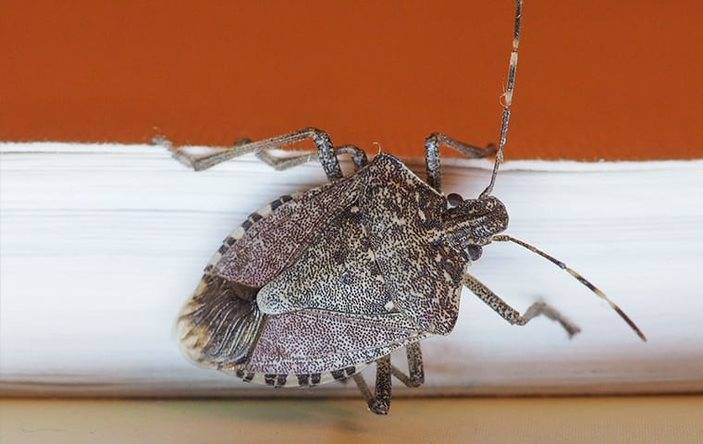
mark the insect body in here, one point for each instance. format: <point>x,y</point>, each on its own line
<point>337,277</point>
<point>318,285</point>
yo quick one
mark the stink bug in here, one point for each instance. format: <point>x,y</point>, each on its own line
<point>318,285</point>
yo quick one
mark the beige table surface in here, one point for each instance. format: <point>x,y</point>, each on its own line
<point>625,419</point>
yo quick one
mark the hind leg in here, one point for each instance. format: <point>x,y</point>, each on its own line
<point>325,151</point>
<point>416,371</point>
<point>379,401</point>
<point>432,162</point>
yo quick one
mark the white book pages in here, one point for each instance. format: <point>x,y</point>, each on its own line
<point>100,245</point>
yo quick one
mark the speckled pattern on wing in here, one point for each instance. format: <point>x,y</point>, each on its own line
<point>403,216</point>
<point>313,341</point>
<point>337,272</point>
<point>381,255</point>
<point>269,245</point>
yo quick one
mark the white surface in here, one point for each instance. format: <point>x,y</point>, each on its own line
<point>101,244</point>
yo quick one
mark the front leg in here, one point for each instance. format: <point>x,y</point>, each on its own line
<point>513,316</point>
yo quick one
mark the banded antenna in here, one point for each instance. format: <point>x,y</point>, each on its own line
<point>583,280</point>
<point>507,98</point>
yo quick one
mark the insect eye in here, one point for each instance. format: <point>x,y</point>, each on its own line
<point>454,199</point>
<point>474,252</point>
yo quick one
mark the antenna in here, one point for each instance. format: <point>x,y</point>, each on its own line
<point>583,280</point>
<point>507,98</point>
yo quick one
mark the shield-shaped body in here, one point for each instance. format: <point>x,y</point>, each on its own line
<point>318,285</point>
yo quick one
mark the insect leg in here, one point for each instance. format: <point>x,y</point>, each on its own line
<point>432,159</point>
<point>513,316</point>
<point>380,401</point>
<point>325,151</point>
<point>416,370</point>
<point>358,155</point>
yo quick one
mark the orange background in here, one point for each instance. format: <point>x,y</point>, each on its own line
<point>597,79</point>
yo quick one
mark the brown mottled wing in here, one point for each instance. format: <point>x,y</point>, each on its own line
<point>221,323</point>
<point>271,243</point>
<point>317,341</point>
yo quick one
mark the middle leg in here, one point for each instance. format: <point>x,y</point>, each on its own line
<point>358,156</point>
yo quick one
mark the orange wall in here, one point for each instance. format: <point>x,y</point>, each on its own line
<point>612,79</point>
